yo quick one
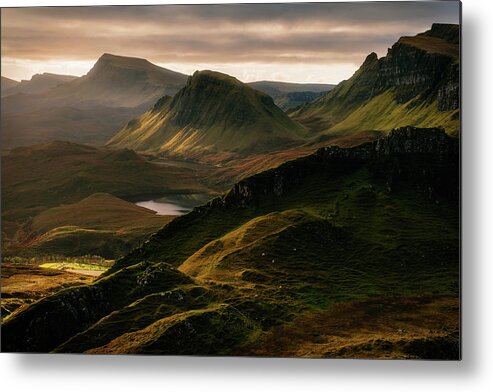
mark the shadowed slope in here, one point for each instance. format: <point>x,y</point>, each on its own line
<point>7,83</point>
<point>39,83</point>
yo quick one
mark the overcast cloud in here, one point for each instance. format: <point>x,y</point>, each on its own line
<point>292,42</point>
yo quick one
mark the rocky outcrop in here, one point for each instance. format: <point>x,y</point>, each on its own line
<point>427,156</point>
<point>425,65</point>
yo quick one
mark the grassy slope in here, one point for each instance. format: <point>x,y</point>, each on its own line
<point>100,224</point>
<point>336,236</point>
<point>245,121</point>
<point>383,112</point>
<point>24,284</point>
<point>277,264</point>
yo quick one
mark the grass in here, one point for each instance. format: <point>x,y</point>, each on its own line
<point>433,45</point>
<point>25,283</point>
<point>397,327</point>
<point>73,266</point>
<point>384,113</point>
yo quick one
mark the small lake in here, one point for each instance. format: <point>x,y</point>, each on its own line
<point>178,204</point>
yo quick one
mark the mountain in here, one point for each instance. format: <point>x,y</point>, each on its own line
<point>47,175</point>
<point>119,81</point>
<point>7,83</point>
<point>285,264</point>
<point>213,113</point>
<point>290,95</point>
<point>89,109</point>
<point>39,83</point>
<point>416,83</point>
<point>100,224</point>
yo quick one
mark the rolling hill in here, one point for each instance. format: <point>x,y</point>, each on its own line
<point>47,175</point>
<point>89,109</point>
<point>292,259</point>
<point>290,95</point>
<point>100,224</point>
<point>214,113</point>
<point>416,83</point>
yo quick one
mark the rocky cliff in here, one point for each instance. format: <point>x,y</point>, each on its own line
<point>416,83</point>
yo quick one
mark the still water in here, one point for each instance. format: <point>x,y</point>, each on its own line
<point>175,204</point>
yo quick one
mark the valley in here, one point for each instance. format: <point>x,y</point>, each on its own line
<point>146,211</point>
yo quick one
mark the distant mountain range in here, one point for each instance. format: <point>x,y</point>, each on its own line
<point>39,83</point>
<point>213,113</point>
<point>417,84</point>
<point>7,83</point>
<point>89,109</point>
<point>291,95</point>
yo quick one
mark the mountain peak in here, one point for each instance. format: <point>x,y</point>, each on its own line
<point>447,32</point>
<point>208,76</point>
<point>131,62</point>
<point>372,58</point>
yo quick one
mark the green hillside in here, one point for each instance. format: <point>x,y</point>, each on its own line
<point>213,113</point>
<point>367,231</point>
<point>416,83</point>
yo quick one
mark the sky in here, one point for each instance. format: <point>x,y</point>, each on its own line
<point>311,42</point>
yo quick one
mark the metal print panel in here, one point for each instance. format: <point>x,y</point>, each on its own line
<point>277,180</point>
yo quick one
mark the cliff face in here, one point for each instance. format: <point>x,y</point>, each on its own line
<point>425,158</point>
<point>425,65</point>
<point>416,83</point>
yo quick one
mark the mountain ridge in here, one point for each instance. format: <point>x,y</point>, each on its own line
<point>38,83</point>
<point>416,83</point>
